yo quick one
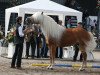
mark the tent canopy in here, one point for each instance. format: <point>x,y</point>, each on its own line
<point>47,6</point>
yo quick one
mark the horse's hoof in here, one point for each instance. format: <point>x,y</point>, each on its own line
<point>50,67</point>
<point>82,69</point>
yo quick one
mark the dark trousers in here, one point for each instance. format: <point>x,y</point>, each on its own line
<point>76,53</point>
<point>59,52</point>
<point>56,52</point>
<point>44,51</point>
<point>33,46</point>
<point>17,56</point>
<point>38,40</point>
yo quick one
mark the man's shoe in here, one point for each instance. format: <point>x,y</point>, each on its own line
<point>13,67</point>
<point>81,60</point>
<point>38,56</point>
<point>20,68</point>
<point>74,60</point>
<point>26,57</point>
<point>32,57</point>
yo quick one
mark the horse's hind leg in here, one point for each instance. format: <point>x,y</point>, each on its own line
<point>84,63</point>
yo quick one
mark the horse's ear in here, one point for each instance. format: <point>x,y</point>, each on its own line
<point>42,13</point>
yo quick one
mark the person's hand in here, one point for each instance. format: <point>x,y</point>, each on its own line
<point>27,30</point>
<point>31,30</point>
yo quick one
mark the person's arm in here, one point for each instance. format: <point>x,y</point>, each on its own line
<point>20,31</point>
<point>27,30</point>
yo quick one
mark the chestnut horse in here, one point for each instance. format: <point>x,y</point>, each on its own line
<point>59,36</point>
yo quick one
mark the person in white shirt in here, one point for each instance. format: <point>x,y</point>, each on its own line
<point>18,41</point>
<point>93,23</point>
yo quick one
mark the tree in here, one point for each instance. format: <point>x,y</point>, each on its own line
<point>98,19</point>
<point>14,2</point>
<point>73,4</point>
<point>88,5</point>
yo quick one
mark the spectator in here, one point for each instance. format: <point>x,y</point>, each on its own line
<point>76,47</point>
<point>38,40</point>
<point>79,25</point>
<point>19,39</point>
<point>30,38</point>
<point>59,50</point>
<point>69,23</point>
<point>93,25</point>
<point>44,49</point>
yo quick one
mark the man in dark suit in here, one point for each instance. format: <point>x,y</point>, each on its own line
<point>19,39</point>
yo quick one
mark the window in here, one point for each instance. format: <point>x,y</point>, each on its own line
<point>70,21</point>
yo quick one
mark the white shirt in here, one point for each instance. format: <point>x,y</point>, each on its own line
<point>92,23</point>
<point>20,31</point>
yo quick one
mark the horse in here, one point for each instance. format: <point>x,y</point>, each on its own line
<point>59,36</point>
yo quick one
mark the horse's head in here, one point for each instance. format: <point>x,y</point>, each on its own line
<point>36,18</point>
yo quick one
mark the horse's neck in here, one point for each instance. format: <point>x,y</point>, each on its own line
<point>51,28</point>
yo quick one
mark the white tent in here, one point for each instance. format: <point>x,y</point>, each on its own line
<point>47,6</point>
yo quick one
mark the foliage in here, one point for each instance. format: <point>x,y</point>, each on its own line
<point>10,35</point>
<point>98,5</point>
<point>14,2</point>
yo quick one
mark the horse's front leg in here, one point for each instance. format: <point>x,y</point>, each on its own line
<point>84,63</point>
<point>52,56</point>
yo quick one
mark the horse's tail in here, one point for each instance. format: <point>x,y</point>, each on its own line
<point>92,43</point>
